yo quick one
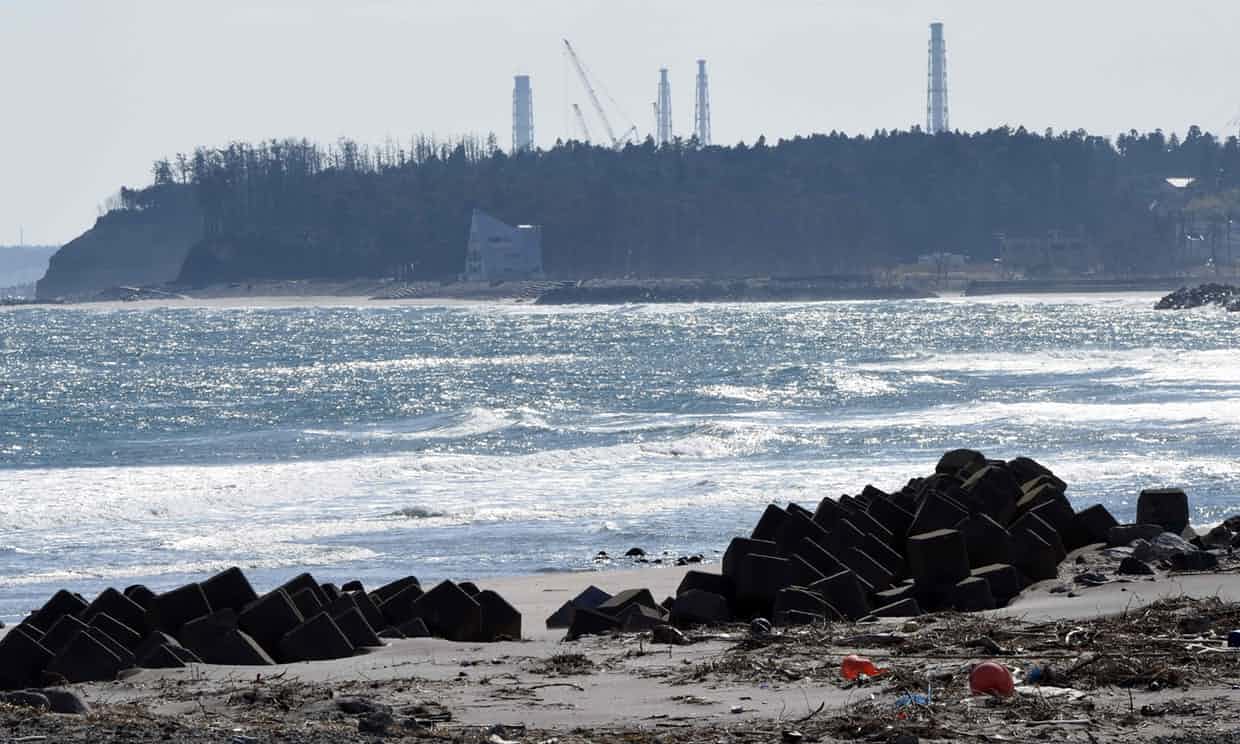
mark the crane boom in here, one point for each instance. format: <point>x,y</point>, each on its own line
<point>585,82</point>
<point>581,122</point>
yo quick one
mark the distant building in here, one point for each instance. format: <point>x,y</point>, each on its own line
<point>943,260</point>
<point>1056,252</point>
<point>500,252</point>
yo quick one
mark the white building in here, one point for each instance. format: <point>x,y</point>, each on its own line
<point>499,252</point>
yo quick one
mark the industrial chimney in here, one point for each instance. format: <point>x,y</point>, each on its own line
<point>663,133</point>
<point>522,114</point>
<point>936,91</point>
<point>701,112</point>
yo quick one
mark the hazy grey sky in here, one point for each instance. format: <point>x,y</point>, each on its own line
<point>94,90</point>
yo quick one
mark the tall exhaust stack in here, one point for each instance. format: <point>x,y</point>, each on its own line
<point>522,114</point>
<point>701,109</point>
<point>663,110</point>
<point>936,91</point>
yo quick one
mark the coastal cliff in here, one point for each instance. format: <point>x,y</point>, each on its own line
<point>132,246</point>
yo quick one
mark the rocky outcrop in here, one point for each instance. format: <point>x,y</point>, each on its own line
<point>1184,298</point>
<point>128,247</point>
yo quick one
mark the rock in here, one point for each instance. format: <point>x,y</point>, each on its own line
<point>376,722</point>
<point>85,659</point>
<point>500,620</point>
<point>759,626</point>
<point>229,589</point>
<point>1125,534</point>
<point>26,699</point>
<point>669,635</point>
<point>171,610</point>
<point>590,622</point>
<point>354,626</point>
<point>845,593</point>
<point>1167,507</point>
<point>1186,298</point>
<point>938,558</point>
<point>1218,537</point>
<point>65,701</point>
<point>1197,560</point>
<point>317,639</point>
<point>121,608</point>
<point>22,659</point>
<point>1003,580</point>
<point>1161,548</point>
<point>973,595</point>
<point>1130,566</point>
<point>589,599</point>
<point>700,607</point>
<point>634,553</point>
<point>450,613</point>
<point>269,618</point>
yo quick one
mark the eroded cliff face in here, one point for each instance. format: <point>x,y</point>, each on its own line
<point>126,248</point>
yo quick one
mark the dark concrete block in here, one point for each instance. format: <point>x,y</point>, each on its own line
<point>818,557</point>
<point>171,610</point>
<point>986,541</point>
<point>450,613</point>
<point>500,620</point>
<point>740,547</point>
<point>304,581</point>
<point>794,508</point>
<point>638,617</point>
<point>885,555</point>
<point>22,660</point>
<point>1030,521</point>
<point>1197,560</point>
<point>229,589</point>
<point>61,632</point>
<point>700,607</point>
<point>804,603</point>
<point>469,588</point>
<point>368,608</point>
<point>905,607</point>
<point>1033,556</point>
<point>317,639</point>
<point>793,529</point>
<point>707,582</point>
<point>160,657</point>
<point>1092,525</point>
<point>125,655</point>
<point>622,600</point>
<point>896,519</point>
<point>1167,507</point>
<point>590,599</point>
<point>398,607</point>
<point>121,633</point>
<point>307,601</point>
<point>973,595</point>
<point>200,634</point>
<point>590,622</point>
<point>356,629</point>
<point>868,569</point>
<point>954,461</point>
<point>769,523</point>
<point>1003,580</point>
<point>61,603</point>
<point>1125,534</point>
<point>845,535</point>
<point>828,514</point>
<point>415,628</point>
<point>331,592</point>
<point>761,577</point>
<point>846,593</point>
<point>994,491</point>
<point>233,647</point>
<point>151,642</point>
<point>140,595</point>
<point>801,572</point>
<point>938,558</point>
<point>391,589</point>
<point>895,594</point>
<point>1026,469</point>
<point>119,607</point>
<point>185,655</point>
<point>937,512</point>
<point>269,618</point>
<point>872,527</point>
<point>85,659</point>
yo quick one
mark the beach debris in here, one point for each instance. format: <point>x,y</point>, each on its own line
<point>1130,566</point>
<point>669,635</point>
<point>991,678</point>
<point>222,620</point>
<point>853,666</point>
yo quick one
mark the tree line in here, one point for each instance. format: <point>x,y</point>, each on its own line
<point>823,204</point>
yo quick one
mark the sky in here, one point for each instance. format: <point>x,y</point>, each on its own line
<point>93,91</point>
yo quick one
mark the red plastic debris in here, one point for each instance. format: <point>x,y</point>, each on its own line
<point>989,678</point>
<point>854,666</point>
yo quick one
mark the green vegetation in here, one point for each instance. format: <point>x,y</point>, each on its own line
<point>817,205</point>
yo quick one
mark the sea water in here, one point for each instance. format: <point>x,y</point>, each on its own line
<point>157,445</point>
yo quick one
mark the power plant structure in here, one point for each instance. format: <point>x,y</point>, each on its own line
<point>522,114</point>
<point>663,110</point>
<point>701,109</point>
<point>936,89</point>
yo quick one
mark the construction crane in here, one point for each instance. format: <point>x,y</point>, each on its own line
<point>616,142</point>
<point>581,122</point>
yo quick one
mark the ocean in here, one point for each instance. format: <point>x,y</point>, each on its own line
<point>158,444</point>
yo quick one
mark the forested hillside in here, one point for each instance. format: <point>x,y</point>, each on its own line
<point>822,204</point>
